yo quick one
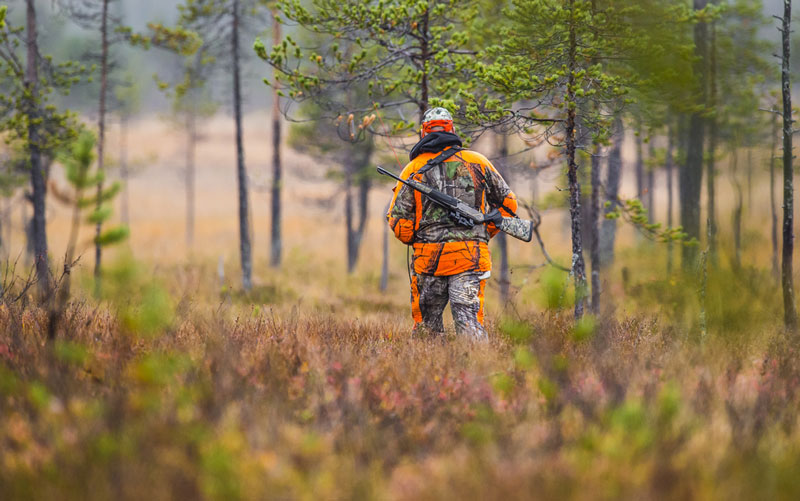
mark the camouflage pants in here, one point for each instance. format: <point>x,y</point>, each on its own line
<point>430,294</point>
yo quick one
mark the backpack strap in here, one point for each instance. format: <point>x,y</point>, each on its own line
<point>440,158</point>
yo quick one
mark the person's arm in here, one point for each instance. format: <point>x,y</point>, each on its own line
<point>498,195</point>
<point>402,210</point>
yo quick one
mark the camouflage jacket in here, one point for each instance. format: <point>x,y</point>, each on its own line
<point>441,247</point>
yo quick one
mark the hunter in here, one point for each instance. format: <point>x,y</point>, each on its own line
<point>451,261</point>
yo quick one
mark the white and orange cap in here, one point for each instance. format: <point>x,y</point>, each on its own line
<point>437,119</point>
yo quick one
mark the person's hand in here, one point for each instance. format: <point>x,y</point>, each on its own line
<point>494,216</point>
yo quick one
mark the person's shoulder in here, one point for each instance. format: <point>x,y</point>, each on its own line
<point>413,166</point>
<point>474,157</point>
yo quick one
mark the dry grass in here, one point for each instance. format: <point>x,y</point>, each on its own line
<point>174,388</point>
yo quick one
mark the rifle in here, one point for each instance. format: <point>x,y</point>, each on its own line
<point>466,215</point>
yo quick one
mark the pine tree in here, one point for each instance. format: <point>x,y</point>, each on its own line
<point>410,56</point>
<point>29,119</point>
<point>552,55</point>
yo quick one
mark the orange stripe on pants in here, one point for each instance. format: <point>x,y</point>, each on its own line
<point>416,313</point>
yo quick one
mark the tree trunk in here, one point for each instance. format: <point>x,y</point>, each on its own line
<point>38,186</point>
<point>123,170</point>
<point>737,212</point>
<point>241,173</point>
<point>27,227</point>
<point>277,174</point>
<point>348,217</point>
<point>594,253</point>
<point>772,208</point>
<point>639,166</point>
<point>502,241</point>
<point>101,139</point>
<point>650,184</point>
<point>191,148</point>
<point>790,312</point>
<point>4,251</point>
<point>613,176</point>
<point>670,197</point>
<point>364,185</point>
<point>355,233</point>
<point>385,261</point>
<point>712,147</point>
<point>7,228</point>
<point>749,179</point>
<point>691,175</point>
<point>578,266</point>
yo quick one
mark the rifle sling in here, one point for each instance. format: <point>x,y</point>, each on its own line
<point>442,157</point>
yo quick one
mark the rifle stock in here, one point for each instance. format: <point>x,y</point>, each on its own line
<point>521,229</point>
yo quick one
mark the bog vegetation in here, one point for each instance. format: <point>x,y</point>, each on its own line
<point>160,393</point>
<point>646,350</point>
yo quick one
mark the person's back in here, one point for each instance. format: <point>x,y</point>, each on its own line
<point>451,255</point>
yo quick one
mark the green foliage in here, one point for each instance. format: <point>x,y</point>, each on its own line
<point>517,332</point>
<point>408,55</point>
<point>743,73</point>
<point>14,171</point>
<point>633,211</point>
<point>523,359</point>
<point>554,291</point>
<point>176,39</point>
<point>112,235</point>
<point>584,328</point>
<point>619,56</point>
<point>71,353</point>
<point>99,215</point>
<point>141,302</point>
<point>78,161</point>
<point>22,105</point>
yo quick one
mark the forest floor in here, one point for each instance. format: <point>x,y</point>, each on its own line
<point>175,388</point>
